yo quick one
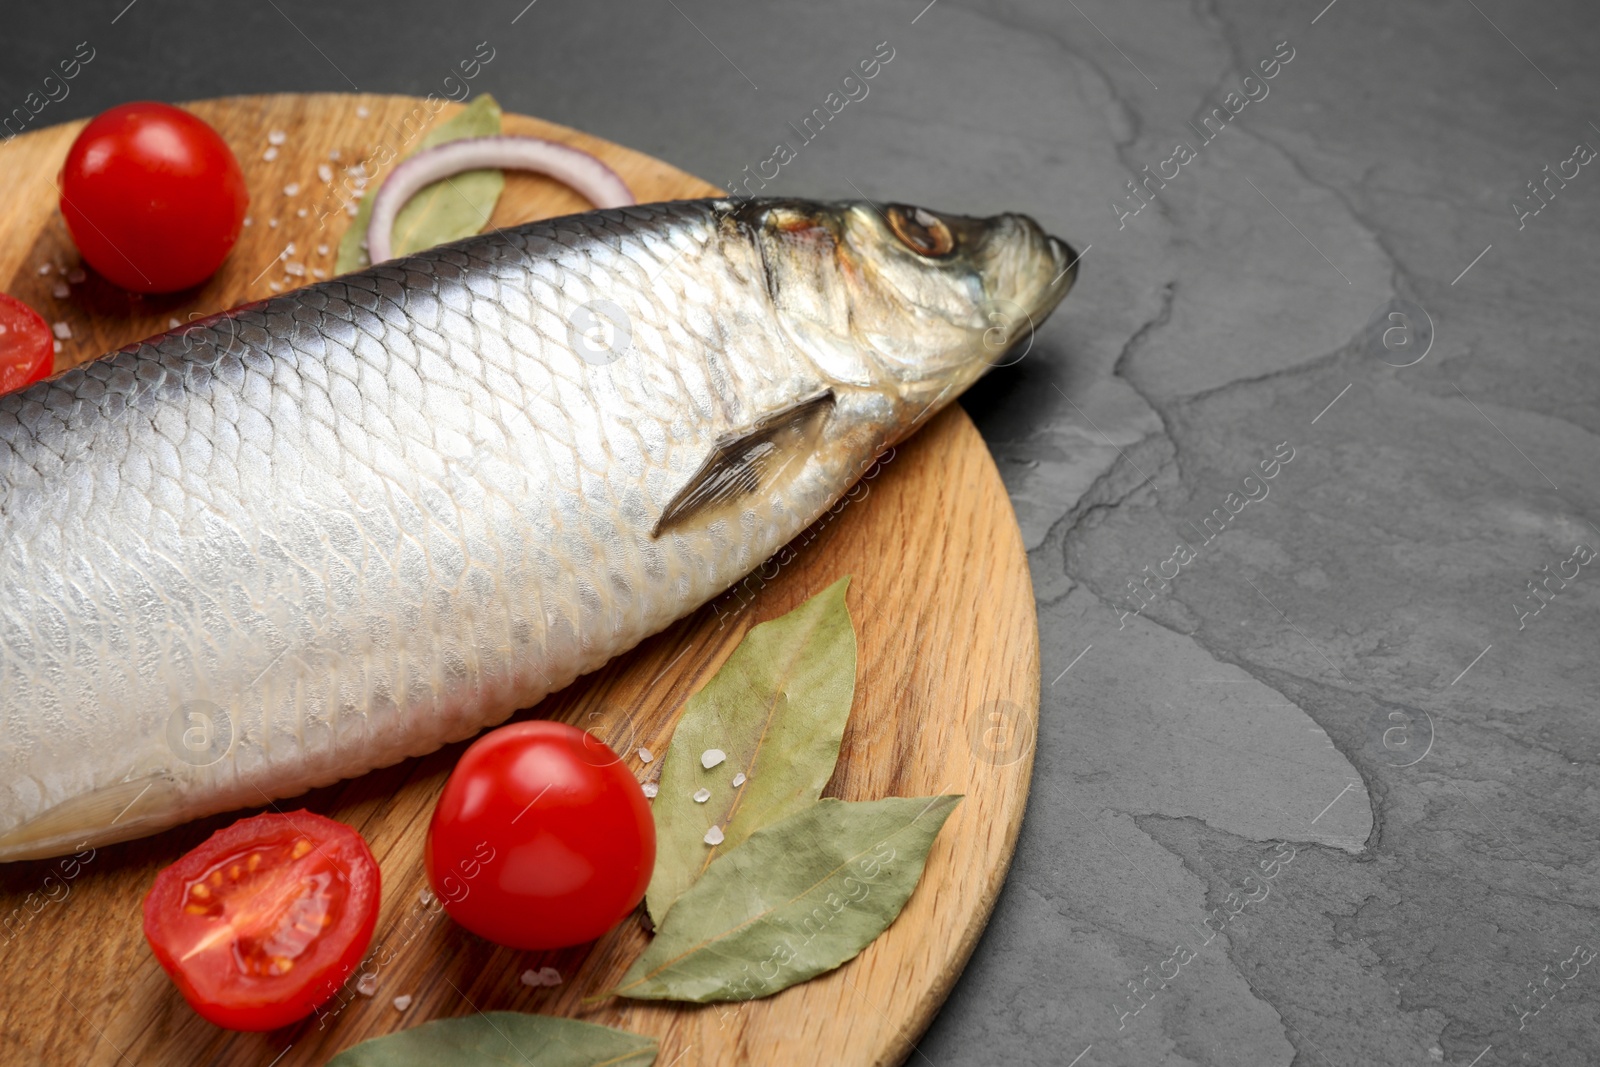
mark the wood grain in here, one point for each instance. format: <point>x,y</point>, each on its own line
<point>947,695</point>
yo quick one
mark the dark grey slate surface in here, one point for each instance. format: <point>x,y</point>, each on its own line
<point>1350,665</point>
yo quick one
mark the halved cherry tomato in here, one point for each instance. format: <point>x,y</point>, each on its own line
<point>541,838</point>
<point>27,348</point>
<point>153,197</point>
<point>261,923</point>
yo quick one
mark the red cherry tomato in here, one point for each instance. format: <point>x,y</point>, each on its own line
<point>153,197</point>
<point>541,838</point>
<point>261,923</point>
<point>27,348</point>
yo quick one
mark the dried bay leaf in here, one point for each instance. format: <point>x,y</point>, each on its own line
<point>796,899</point>
<point>777,709</point>
<point>490,1039</point>
<point>447,210</point>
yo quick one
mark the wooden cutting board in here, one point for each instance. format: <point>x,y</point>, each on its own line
<point>947,696</point>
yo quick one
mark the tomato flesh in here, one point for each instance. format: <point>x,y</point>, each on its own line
<point>542,838</point>
<point>153,197</point>
<point>27,348</point>
<point>261,923</point>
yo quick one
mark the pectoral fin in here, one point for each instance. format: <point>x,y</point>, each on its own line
<point>752,462</point>
<point>112,813</point>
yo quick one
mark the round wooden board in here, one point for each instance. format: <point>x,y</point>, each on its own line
<point>947,695</point>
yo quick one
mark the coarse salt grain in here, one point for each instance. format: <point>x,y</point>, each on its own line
<point>322,250</point>
<point>318,272</point>
<point>530,977</point>
<point>277,137</point>
<point>44,268</point>
<point>248,220</point>
<point>714,836</point>
<point>362,112</point>
<point>739,779</point>
<point>301,213</point>
<point>61,330</point>
<point>325,172</point>
<point>711,757</point>
<point>76,276</point>
<point>2,329</point>
<point>402,1002</point>
<point>291,189</point>
<point>425,897</point>
<point>702,795</point>
<point>651,789</point>
<point>334,154</point>
<point>273,223</point>
<point>55,346</point>
<point>275,287</point>
<point>173,324</point>
<point>60,292</point>
<point>549,976</point>
<point>368,985</point>
<point>645,755</point>
<point>294,269</point>
<point>270,154</point>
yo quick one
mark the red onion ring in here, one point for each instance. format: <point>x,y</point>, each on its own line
<point>584,172</point>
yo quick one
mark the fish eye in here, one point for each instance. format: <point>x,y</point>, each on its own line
<point>921,231</point>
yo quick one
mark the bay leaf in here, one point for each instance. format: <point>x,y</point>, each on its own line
<point>490,1039</point>
<point>447,210</point>
<point>798,898</point>
<point>777,708</point>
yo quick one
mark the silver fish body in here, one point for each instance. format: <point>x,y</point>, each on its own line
<point>319,534</point>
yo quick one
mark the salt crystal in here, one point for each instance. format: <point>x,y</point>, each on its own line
<point>368,985</point>
<point>61,270</point>
<point>352,209</point>
<point>362,112</point>
<point>277,137</point>
<point>44,268</point>
<point>711,757</point>
<point>173,324</point>
<point>549,976</point>
<point>56,347</point>
<point>275,287</point>
<point>402,1002</point>
<point>322,250</point>
<point>702,795</point>
<point>714,836</point>
<point>2,329</point>
<point>425,897</point>
<point>76,276</point>
<point>301,213</point>
<point>651,789</point>
<point>291,189</point>
<point>270,154</point>
<point>530,977</point>
<point>334,154</point>
<point>289,248</point>
<point>248,220</point>
<point>60,292</point>
<point>273,223</point>
<point>739,779</point>
<point>294,269</point>
<point>357,170</point>
<point>62,330</point>
<point>645,755</point>
<point>318,272</point>
<point>325,172</point>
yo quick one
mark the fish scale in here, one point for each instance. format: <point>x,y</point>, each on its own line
<point>318,534</point>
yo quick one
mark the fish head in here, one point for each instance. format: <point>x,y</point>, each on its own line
<point>912,304</point>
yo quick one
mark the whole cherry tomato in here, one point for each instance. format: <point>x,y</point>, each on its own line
<point>541,838</point>
<point>27,347</point>
<point>263,921</point>
<point>153,197</point>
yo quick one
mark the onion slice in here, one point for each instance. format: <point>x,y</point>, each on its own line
<point>585,173</point>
